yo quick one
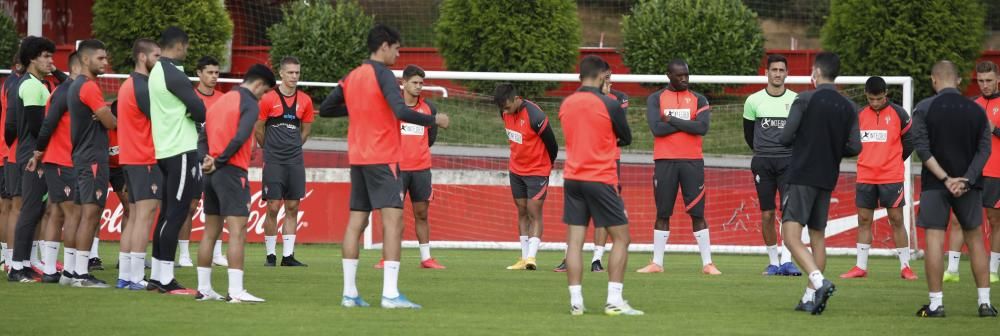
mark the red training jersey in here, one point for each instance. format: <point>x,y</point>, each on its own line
<point>592,125</point>
<point>60,149</point>
<point>134,128</point>
<point>881,158</point>
<point>992,108</point>
<point>415,141</point>
<point>528,156</point>
<point>684,105</point>
<point>211,99</point>
<point>372,130</point>
<point>223,122</point>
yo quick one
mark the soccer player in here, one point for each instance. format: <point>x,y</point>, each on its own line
<point>90,120</point>
<point>208,76</point>
<point>764,116</point>
<point>822,129</point>
<point>285,120</point>
<point>679,118</point>
<point>138,159</point>
<point>952,137</point>
<point>228,127</point>
<point>175,111</point>
<point>601,235</point>
<point>369,96</point>
<point>594,125</point>
<point>533,151</point>
<point>23,122</point>
<point>986,76</point>
<point>7,94</point>
<point>885,143</point>
<point>415,167</point>
<point>54,152</point>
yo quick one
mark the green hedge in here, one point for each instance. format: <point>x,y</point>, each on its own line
<point>509,36</point>
<point>905,38</point>
<point>8,41</point>
<point>118,23</point>
<point>715,37</point>
<point>328,40</point>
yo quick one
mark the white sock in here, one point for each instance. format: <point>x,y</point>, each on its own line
<point>3,251</point>
<point>204,279</point>
<point>598,253</point>
<point>937,299</point>
<point>154,273</point>
<point>659,244</point>
<point>69,260</point>
<point>33,257</point>
<point>82,261</point>
<point>217,251</point>
<point>50,254</point>
<point>425,252</point>
<point>953,258</point>
<point>786,255</point>
<point>390,278</point>
<point>235,281</point>
<point>287,245</point>
<point>984,295</point>
<point>350,274</point>
<point>166,272</point>
<point>816,277</point>
<point>138,266</point>
<point>524,246</point>
<point>269,243</point>
<point>17,265</point>
<point>863,256</point>
<point>533,246</point>
<point>772,255</point>
<point>9,254</point>
<point>809,296</point>
<point>183,245</point>
<point>576,295</point>
<point>124,265</point>
<point>615,293</point>
<point>95,247</point>
<point>904,257</point>
<point>704,246</point>
<point>994,261</point>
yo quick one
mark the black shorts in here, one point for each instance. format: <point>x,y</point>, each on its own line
<point>92,184</point>
<point>769,177</point>
<point>418,185</point>
<point>991,192</point>
<point>376,186</point>
<point>12,172</point>
<point>937,204</point>
<point>145,182</point>
<point>61,182</point>
<point>283,181</point>
<point>689,175</point>
<point>116,177</point>
<point>3,182</point>
<point>601,202</point>
<point>873,196</point>
<point>227,192</point>
<point>809,206</point>
<point>533,187</point>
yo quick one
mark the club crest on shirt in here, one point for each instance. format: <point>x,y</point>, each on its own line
<point>888,119</point>
<point>996,109</point>
<point>687,100</point>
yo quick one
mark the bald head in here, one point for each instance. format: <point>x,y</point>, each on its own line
<point>944,75</point>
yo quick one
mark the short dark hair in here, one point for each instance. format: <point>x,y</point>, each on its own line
<point>875,85</point>
<point>775,58</point>
<point>88,46</point>
<point>205,61</point>
<point>987,66</point>
<point>413,70</point>
<point>676,62</point>
<point>382,34</point>
<point>828,64</point>
<point>591,66</point>
<point>173,36</point>
<point>32,47</point>
<point>503,93</point>
<point>142,46</point>
<point>288,60</point>
<point>260,72</point>
<point>74,58</point>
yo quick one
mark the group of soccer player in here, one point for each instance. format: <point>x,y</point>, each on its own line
<point>163,146</point>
